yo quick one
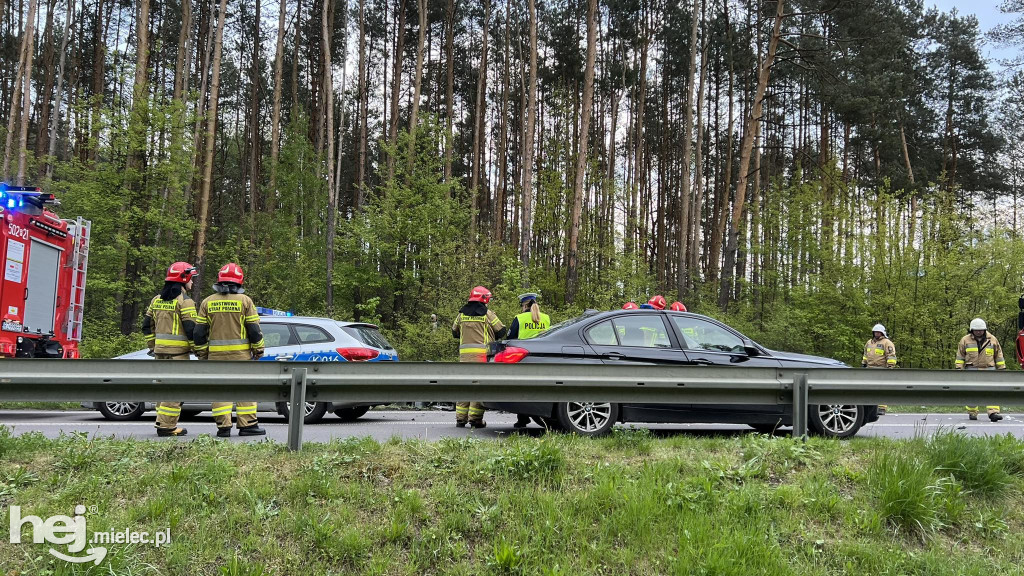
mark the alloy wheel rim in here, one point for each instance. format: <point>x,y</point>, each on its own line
<point>837,418</point>
<point>589,416</point>
<point>122,408</point>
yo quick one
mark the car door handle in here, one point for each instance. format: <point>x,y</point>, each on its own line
<point>613,355</point>
<point>285,357</point>
<point>702,362</point>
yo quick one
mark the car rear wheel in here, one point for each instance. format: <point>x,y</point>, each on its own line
<point>836,420</point>
<point>314,411</point>
<point>350,414</point>
<point>122,410</point>
<point>586,418</point>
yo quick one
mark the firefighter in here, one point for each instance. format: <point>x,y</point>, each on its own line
<point>169,327</point>
<point>228,328</point>
<point>979,350</point>
<point>879,352</point>
<point>475,327</point>
<point>526,325</point>
<point>678,306</point>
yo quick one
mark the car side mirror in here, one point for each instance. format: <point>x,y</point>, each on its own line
<point>749,348</point>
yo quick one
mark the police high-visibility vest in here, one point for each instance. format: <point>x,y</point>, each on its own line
<point>528,328</point>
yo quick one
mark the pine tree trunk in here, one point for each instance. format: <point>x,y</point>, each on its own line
<point>255,134</point>
<point>396,87</point>
<point>15,112</point>
<point>46,96</point>
<point>181,62</point>
<point>211,133</point>
<point>683,230</point>
<point>449,88</point>
<point>69,30</point>
<point>361,162</point>
<point>275,122</point>
<point>478,127</point>
<point>417,84</point>
<point>501,192</point>
<point>344,77</point>
<point>698,178</point>
<point>746,147</point>
<point>722,196</point>
<point>531,118</point>
<point>632,224</point>
<point>332,192</point>
<point>27,53</point>
<point>572,275</point>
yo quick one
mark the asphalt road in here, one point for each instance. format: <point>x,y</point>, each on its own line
<point>437,424</point>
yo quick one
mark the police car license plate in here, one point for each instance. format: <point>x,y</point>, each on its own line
<point>11,326</point>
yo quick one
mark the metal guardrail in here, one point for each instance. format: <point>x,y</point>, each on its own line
<point>146,380</point>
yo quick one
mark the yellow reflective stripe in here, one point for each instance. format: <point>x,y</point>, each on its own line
<point>202,320</point>
<point>891,360</point>
<point>229,348</point>
<point>464,318</point>
<point>172,343</point>
<point>168,411</point>
<point>222,411</point>
<point>202,347</point>
<point>150,337</point>
<point>1001,363</point>
<point>188,310</point>
<point>246,410</point>
<point>259,344</point>
<point>472,350</point>
<point>253,318</point>
<point>959,362</point>
<point>972,349</point>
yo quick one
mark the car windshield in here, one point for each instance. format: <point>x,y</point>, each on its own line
<point>566,323</point>
<point>369,336</point>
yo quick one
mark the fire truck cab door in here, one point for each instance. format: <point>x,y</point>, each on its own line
<point>41,287</point>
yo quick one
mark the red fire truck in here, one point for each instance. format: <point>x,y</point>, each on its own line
<point>43,289</point>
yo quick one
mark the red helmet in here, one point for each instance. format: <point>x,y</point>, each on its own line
<point>180,272</point>
<point>630,306</point>
<point>678,306</point>
<point>480,294</point>
<point>231,273</point>
<point>658,302</point>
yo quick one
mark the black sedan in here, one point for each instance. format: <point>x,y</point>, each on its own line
<point>667,338</point>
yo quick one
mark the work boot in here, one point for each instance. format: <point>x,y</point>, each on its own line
<point>882,409</point>
<point>995,416</point>
<point>972,414</point>
<point>224,432</point>
<point>477,424</point>
<point>521,422</point>
<point>171,431</point>
<point>253,430</point>
<point>460,423</point>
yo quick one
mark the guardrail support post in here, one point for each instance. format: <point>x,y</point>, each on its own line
<point>800,405</point>
<point>297,410</point>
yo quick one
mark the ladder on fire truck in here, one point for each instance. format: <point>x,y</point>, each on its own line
<point>79,265</point>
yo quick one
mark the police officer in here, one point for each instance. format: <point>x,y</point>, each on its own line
<point>979,350</point>
<point>169,327</point>
<point>228,328</point>
<point>475,327</point>
<point>526,325</point>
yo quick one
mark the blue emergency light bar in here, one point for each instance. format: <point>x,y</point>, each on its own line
<point>14,196</point>
<point>271,312</point>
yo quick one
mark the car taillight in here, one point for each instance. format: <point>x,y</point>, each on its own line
<point>511,355</point>
<point>7,349</point>
<point>358,354</point>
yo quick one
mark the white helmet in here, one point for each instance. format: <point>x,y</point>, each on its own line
<point>978,324</point>
<point>879,328</point>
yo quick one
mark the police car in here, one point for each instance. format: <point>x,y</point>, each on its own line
<point>289,338</point>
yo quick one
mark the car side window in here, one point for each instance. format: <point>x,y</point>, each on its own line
<point>602,334</point>
<point>641,331</point>
<point>703,335</point>
<point>311,334</point>
<point>276,335</point>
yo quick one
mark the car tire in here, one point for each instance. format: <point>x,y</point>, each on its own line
<point>315,411</point>
<point>586,418</point>
<point>121,410</point>
<point>350,414</point>
<point>836,420</point>
<point>769,429</point>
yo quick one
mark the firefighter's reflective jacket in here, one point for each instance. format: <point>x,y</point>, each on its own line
<point>984,354</point>
<point>879,354</point>
<point>228,328</point>
<point>169,325</point>
<point>476,327</point>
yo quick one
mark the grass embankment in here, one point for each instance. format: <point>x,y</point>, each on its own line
<point>41,406</point>
<point>627,504</point>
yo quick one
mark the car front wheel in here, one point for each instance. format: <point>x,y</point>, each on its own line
<point>836,420</point>
<point>350,414</point>
<point>121,410</point>
<point>586,418</point>
<point>314,411</point>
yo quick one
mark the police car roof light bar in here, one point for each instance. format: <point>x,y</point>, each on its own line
<point>272,312</point>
